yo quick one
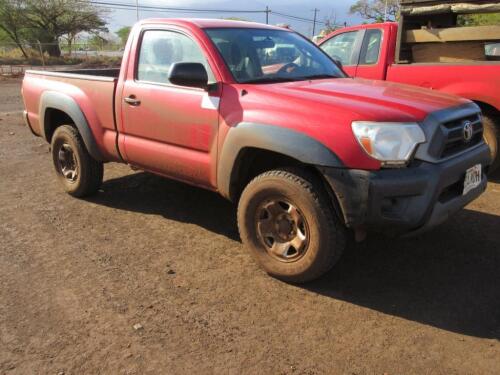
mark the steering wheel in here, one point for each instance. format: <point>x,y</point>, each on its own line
<point>284,68</point>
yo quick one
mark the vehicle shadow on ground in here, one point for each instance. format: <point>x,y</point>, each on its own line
<point>494,177</point>
<point>150,194</point>
<point>448,278</point>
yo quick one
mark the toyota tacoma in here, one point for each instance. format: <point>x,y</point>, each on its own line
<point>265,118</point>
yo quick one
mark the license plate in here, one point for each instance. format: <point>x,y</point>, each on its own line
<point>472,178</point>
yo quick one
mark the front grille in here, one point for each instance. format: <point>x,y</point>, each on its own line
<point>453,132</point>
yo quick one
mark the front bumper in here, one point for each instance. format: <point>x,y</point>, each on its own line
<point>409,200</point>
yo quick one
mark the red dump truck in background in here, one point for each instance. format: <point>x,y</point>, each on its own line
<point>428,49</point>
<point>265,118</point>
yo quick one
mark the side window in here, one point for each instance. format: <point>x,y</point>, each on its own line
<point>492,51</point>
<point>160,49</point>
<point>371,47</point>
<point>341,47</point>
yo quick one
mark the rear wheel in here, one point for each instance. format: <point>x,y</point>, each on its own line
<point>286,221</point>
<point>79,174</point>
<point>492,139</point>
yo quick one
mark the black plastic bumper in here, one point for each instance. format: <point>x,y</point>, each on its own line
<point>409,200</point>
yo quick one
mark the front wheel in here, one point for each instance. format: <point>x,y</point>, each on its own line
<point>79,173</point>
<point>492,139</point>
<point>286,221</point>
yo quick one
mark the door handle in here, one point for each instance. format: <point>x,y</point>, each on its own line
<point>132,100</point>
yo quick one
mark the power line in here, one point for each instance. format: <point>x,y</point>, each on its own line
<point>168,9</point>
<point>267,11</point>
<point>113,5</point>
<point>296,18</point>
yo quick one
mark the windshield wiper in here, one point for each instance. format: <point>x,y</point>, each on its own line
<point>319,76</point>
<point>272,80</point>
<point>289,79</point>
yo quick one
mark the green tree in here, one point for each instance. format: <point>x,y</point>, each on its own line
<point>13,23</point>
<point>123,34</point>
<point>329,27</point>
<point>53,19</point>
<point>479,19</point>
<point>376,10</point>
<point>97,41</point>
<point>46,22</point>
<point>4,38</point>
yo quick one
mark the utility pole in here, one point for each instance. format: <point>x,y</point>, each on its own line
<point>385,11</point>
<point>267,15</point>
<point>314,20</point>
<point>137,8</point>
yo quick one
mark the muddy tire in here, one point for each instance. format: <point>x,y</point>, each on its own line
<point>79,174</point>
<point>492,139</point>
<point>287,222</point>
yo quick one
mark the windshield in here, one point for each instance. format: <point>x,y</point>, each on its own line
<point>266,55</point>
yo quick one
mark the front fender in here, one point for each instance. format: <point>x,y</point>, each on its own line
<point>66,104</point>
<point>271,138</point>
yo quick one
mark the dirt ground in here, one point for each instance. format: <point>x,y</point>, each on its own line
<point>10,95</point>
<point>77,275</point>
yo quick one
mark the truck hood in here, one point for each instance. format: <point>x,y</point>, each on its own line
<point>364,99</point>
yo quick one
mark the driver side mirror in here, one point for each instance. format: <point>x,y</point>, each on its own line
<point>189,75</point>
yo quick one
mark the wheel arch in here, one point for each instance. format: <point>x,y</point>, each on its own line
<point>491,132</point>
<point>250,149</point>
<point>487,108</point>
<point>58,109</point>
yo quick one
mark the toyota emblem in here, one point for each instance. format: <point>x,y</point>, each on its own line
<point>467,131</point>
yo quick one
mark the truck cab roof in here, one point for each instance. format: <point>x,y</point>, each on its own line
<point>205,23</point>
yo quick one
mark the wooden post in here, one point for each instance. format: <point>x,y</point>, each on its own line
<point>41,53</point>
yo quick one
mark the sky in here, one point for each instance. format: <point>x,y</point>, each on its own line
<point>337,10</point>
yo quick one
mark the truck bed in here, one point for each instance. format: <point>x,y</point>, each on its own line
<point>92,89</point>
<point>478,81</point>
<point>108,72</point>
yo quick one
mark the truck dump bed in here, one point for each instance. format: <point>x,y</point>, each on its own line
<point>442,31</point>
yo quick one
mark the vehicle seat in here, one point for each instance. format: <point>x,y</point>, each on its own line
<point>242,66</point>
<point>159,63</point>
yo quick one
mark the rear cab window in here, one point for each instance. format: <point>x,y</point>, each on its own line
<point>370,50</point>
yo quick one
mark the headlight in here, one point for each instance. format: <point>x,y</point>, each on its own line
<point>393,143</point>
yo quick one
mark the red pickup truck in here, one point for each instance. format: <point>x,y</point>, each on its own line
<point>369,51</point>
<point>309,155</point>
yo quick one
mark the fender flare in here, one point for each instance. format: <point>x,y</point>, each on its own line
<point>68,105</point>
<point>270,138</point>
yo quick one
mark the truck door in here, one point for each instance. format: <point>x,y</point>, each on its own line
<point>371,64</point>
<point>344,47</point>
<point>167,128</point>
